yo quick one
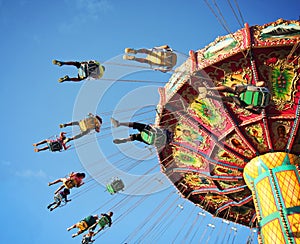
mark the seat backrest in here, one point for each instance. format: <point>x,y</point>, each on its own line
<point>55,146</point>
<point>110,189</point>
<point>103,221</point>
<point>257,98</point>
<point>148,136</point>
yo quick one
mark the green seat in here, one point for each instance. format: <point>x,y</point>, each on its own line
<point>148,137</point>
<point>110,189</point>
<point>256,96</point>
<point>115,186</point>
<point>154,136</point>
<point>103,221</point>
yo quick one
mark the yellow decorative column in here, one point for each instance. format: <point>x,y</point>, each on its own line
<point>275,184</point>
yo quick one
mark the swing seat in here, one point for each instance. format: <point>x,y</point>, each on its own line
<point>58,198</point>
<point>162,60</point>
<point>86,240</point>
<point>83,71</point>
<point>256,97</point>
<point>70,183</point>
<point>148,137</point>
<point>115,186</point>
<point>155,136</point>
<point>90,70</point>
<point>82,225</point>
<point>103,221</point>
<point>88,124</point>
<point>55,146</point>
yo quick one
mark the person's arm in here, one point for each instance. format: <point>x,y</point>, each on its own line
<point>162,47</point>
<point>101,228</point>
<point>109,218</point>
<point>66,199</point>
<point>93,226</point>
<point>110,222</point>
<point>255,110</point>
<point>162,70</point>
<point>91,115</point>
<point>62,140</point>
<point>65,146</point>
<point>80,184</point>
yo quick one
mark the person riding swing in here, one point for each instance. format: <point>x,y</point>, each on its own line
<point>161,58</point>
<point>86,125</point>
<point>84,225</point>
<point>148,134</point>
<point>56,145</point>
<point>251,97</point>
<point>59,198</point>
<point>104,221</point>
<point>87,70</point>
<point>73,180</point>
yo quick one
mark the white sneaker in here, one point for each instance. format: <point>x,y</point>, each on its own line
<point>130,50</point>
<point>119,141</point>
<point>127,57</point>
<point>202,92</point>
<point>115,122</point>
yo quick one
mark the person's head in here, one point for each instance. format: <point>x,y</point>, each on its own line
<point>98,125</point>
<point>62,135</point>
<point>186,132</point>
<point>81,175</point>
<point>260,84</point>
<point>103,68</point>
<point>132,136</point>
<point>91,62</point>
<point>110,214</point>
<point>66,191</point>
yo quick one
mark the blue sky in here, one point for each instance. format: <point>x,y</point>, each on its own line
<point>33,104</point>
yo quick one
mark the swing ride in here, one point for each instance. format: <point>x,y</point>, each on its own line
<point>235,164</point>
